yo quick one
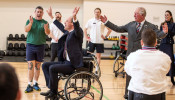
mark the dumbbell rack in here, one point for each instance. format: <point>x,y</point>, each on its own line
<point>124,41</point>
<point>15,51</point>
<point>21,52</point>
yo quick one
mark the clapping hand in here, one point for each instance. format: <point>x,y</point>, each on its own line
<point>31,19</point>
<point>103,18</point>
<point>165,28</point>
<point>46,26</point>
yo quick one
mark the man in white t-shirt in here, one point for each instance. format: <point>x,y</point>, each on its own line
<point>148,68</point>
<point>96,39</point>
<point>55,34</point>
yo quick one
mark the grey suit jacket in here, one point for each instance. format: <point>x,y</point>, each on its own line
<point>134,37</point>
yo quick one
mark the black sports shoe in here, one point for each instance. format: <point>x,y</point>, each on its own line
<point>29,89</point>
<point>126,97</point>
<point>45,93</point>
<point>51,95</point>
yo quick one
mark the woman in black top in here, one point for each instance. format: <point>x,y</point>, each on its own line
<point>166,44</point>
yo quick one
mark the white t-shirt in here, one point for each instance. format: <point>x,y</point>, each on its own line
<point>96,29</point>
<point>55,31</point>
<point>148,69</point>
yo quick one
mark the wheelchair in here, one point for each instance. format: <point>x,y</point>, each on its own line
<point>82,84</point>
<point>119,62</point>
<point>87,56</point>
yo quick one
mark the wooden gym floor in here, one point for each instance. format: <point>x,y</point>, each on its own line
<point>113,87</point>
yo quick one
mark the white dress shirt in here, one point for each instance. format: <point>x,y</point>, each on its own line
<point>148,69</point>
<point>96,30</point>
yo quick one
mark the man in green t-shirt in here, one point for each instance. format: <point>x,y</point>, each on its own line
<point>37,29</point>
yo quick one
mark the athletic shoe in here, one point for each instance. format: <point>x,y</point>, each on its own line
<point>36,87</point>
<point>29,89</point>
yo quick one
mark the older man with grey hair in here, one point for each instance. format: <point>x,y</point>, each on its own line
<point>134,30</point>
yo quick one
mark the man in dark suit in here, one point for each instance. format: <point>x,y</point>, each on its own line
<point>69,53</point>
<point>134,30</point>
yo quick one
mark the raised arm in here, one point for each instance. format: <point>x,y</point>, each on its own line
<point>77,29</point>
<point>56,22</point>
<point>112,26</point>
<point>49,12</point>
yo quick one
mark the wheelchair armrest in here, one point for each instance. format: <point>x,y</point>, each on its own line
<point>82,69</point>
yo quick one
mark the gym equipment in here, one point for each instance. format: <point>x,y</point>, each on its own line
<point>117,46</point>
<point>10,46</point>
<point>10,53</point>
<point>46,47</point>
<point>7,53</point>
<point>21,53</point>
<point>49,54</point>
<point>111,56</point>
<point>15,53</point>
<point>22,36</point>
<point>16,36</point>
<point>18,53</point>
<point>2,53</point>
<point>22,46</point>
<point>16,46</point>
<point>113,46</point>
<point>81,84</point>
<point>10,36</point>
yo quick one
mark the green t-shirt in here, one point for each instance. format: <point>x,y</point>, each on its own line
<point>37,34</point>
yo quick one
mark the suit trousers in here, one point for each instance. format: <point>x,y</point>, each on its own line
<point>51,70</point>
<point>128,78</point>
<point>54,50</point>
<point>141,96</point>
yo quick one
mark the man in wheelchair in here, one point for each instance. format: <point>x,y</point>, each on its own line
<point>69,53</point>
<point>148,68</point>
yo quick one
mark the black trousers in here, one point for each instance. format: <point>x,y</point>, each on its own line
<point>128,78</point>
<point>51,70</point>
<point>140,96</point>
<point>54,50</point>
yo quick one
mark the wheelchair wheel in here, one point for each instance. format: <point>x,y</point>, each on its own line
<point>80,86</point>
<point>96,66</point>
<point>118,66</point>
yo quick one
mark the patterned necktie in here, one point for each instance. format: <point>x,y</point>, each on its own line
<point>138,27</point>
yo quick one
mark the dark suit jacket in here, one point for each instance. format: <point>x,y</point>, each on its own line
<point>171,32</point>
<point>134,37</point>
<point>74,44</point>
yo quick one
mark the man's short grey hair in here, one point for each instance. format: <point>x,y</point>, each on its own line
<point>142,11</point>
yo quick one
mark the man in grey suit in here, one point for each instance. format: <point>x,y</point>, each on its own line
<point>134,30</point>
